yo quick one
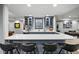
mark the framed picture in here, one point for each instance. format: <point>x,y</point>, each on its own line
<point>38,23</point>
<point>67,24</point>
<point>17,25</point>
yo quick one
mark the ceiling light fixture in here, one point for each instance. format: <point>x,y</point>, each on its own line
<point>30,15</point>
<point>47,15</point>
<point>54,5</point>
<point>29,5</point>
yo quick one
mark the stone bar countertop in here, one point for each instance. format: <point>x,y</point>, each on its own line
<point>40,36</point>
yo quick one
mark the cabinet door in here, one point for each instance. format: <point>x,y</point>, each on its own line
<point>49,21</point>
<point>26,20</point>
<point>30,20</point>
<point>46,21</point>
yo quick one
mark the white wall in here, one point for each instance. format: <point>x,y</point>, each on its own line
<point>74,26</point>
<point>54,24</point>
<point>11,26</point>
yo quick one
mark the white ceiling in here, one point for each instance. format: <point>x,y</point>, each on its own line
<point>40,9</point>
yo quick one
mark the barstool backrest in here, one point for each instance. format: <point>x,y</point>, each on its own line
<point>6,47</point>
<point>28,48</point>
<point>70,47</point>
<point>50,47</point>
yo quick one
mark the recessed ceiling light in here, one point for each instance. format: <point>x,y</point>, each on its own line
<point>29,5</point>
<point>30,15</point>
<point>69,16</point>
<point>47,15</point>
<point>54,5</point>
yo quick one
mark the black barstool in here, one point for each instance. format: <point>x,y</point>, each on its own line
<point>28,48</point>
<point>17,47</point>
<point>61,44</point>
<point>69,48</point>
<point>7,48</point>
<point>49,48</point>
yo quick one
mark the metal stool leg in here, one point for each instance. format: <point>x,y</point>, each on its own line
<point>6,52</point>
<point>34,52</point>
<point>11,51</point>
<point>51,52</point>
<point>67,52</point>
<point>71,52</point>
<point>60,51</point>
<point>43,51</point>
<point>17,50</point>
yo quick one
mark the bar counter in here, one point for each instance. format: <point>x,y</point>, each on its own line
<point>59,36</point>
